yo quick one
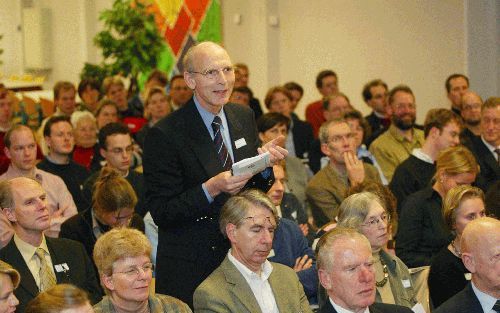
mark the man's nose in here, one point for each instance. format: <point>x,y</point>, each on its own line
<point>366,274</point>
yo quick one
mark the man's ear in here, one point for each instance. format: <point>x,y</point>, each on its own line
<point>434,132</point>
<point>107,281</point>
<point>7,152</point>
<point>325,279</point>
<point>324,149</point>
<point>469,262</point>
<point>189,79</point>
<point>10,214</point>
<point>102,152</point>
<point>230,232</point>
<point>48,142</point>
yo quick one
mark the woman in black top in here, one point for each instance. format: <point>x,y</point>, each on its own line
<point>422,232</point>
<point>448,274</point>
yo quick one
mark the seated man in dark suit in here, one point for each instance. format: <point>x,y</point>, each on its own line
<point>246,281</point>
<point>42,261</point>
<point>486,148</point>
<point>346,270</point>
<point>480,253</point>
<point>471,115</point>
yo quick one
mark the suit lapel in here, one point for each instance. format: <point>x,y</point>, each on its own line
<point>241,289</point>
<point>235,132</point>
<point>57,259</point>
<point>201,142</point>
<point>15,258</point>
<point>280,294</point>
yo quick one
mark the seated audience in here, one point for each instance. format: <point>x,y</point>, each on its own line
<point>107,112</point>
<point>422,232</point>
<point>64,100</point>
<point>246,281</point>
<point>346,270</point>
<point>9,281</point>
<point>375,96</point>
<point>394,145</point>
<point>471,116</point>
<point>114,90</point>
<point>290,245</point>
<point>479,246</point>
<point>113,203</point>
<point>125,270</point>
<point>116,147</point>
<point>20,148</point>
<point>334,107</point>
<point>448,274</point>
<point>5,124</point>
<point>486,147</point>
<point>327,85</point>
<point>366,213</point>
<point>279,100</point>
<point>85,135</point>
<point>58,134</point>
<point>326,190</point>
<point>361,130</point>
<point>156,107</point>
<point>89,92</point>
<point>492,200</point>
<point>456,86</point>
<point>241,95</point>
<point>63,298</point>
<point>270,126</point>
<point>42,261</point>
<point>296,92</point>
<point>441,130</point>
<point>241,78</point>
<point>180,93</point>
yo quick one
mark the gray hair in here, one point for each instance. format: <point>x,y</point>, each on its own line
<point>354,209</point>
<point>324,129</point>
<point>77,116</point>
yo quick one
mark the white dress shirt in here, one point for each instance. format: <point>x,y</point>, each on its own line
<point>487,302</point>
<point>340,309</point>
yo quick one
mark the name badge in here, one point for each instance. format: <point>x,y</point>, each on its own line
<point>468,276</point>
<point>406,283</point>
<point>271,254</point>
<point>240,143</point>
<point>61,267</point>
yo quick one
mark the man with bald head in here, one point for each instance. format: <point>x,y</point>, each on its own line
<point>346,271</point>
<point>187,162</point>
<point>480,247</point>
<point>471,115</point>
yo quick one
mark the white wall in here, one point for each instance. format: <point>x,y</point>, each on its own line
<point>11,43</point>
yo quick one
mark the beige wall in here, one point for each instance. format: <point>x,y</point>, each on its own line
<point>413,42</point>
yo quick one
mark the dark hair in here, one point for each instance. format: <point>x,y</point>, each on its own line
<point>323,74</point>
<point>367,95</point>
<point>88,82</point>
<point>356,115</point>
<point>447,84</point>
<point>244,90</point>
<point>160,76</point>
<point>8,134</point>
<point>62,85</point>
<point>54,120</point>
<point>439,118</point>
<point>399,88</point>
<point>269,120</point>
<point>294,86</point>
<point>174,78</point>
<point>111,129</point>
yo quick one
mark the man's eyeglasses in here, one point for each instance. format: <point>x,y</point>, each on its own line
<point>339,138</point>
<point>214,73</point>
<point>133,272</point>
<point>262,220</point>
<point>373,222</point>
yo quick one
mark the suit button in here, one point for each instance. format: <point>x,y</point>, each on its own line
<point>213,248</point>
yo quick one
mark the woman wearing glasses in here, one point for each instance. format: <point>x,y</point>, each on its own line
<point>366,213</point>
<point>113,203</point>
<point>448,274</point>
<point>122,257</point>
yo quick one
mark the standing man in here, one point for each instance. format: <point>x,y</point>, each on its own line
<point>346,270</point>
<point>187,162</point>
<point>471,115</point>
<point>480,249</point>
<point>456,86</point>
<point>396,144</point>
<point>375,96</point>
<point>42,261</point>
<point>327,84</point>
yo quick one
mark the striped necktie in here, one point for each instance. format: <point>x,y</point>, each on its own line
<point>47,277</point>
<point>224,158</point>
<point>496,307</point>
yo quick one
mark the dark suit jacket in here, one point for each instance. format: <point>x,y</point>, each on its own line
<point>463,302</point>
<point>374,308</point>
<point>489,169</point>
<point>179,156</point>
<point>302,137</point>
<point>226,290</point>
<point>81,271</point>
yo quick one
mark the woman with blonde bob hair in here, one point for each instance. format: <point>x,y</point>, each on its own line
<point>366,213</point>
<point>422,232</point>
<point>448,274</point>
<point>62,298</point>
<point>9,280</point>
<point>122,257</point>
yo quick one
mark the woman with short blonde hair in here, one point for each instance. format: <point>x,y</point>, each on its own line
<point>9,281</point>
<point>59,299</point>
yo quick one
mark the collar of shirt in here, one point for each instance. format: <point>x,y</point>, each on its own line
<point>380,116</point>
<point>490,147</point>
<point>340,309</point>
<point>266,269</point>
<point>27,250</point>
<point>14,172</point>
<point>95,227</point>
<point>487,302</point>
<point>278,211</point>
<point>421,155</point>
